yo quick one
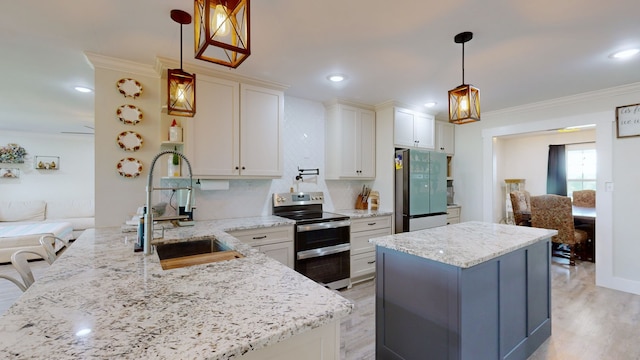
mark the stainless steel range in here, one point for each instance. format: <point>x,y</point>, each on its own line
<point>322,239</point>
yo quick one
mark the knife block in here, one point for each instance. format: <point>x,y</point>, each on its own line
<point>361,204</point>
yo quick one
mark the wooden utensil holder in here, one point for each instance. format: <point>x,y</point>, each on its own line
<point>361,204</point>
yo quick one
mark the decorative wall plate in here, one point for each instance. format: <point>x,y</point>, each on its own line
<point>129,87</point>
<point>129,141</point>
<point>129,167</point>
<point>129,114</point>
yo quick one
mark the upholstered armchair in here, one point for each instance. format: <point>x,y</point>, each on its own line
<point>521,204</point>
<point>554,212</point>
<point>584,198</point>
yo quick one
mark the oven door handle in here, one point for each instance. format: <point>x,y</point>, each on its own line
<point>324,225</point>
<point>329,250</point>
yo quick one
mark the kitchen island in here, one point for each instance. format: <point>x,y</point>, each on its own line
<point>472,290</point>
<point>102,300</point>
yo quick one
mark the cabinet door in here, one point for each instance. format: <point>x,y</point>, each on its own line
<point>367,153</point>
<point>260,131</point>
<point>403,128</point>
<point>350,141</point>
<point>445,141</point>
<point>423,131</point>
<point>211,137</point>
<point>282,252</point>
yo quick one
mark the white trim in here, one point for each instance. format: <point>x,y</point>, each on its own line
<point>111,63</point>
<point>163,63</point>
<point>569,100</point>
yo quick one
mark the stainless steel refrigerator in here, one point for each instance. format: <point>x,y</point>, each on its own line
<point>421,189</point>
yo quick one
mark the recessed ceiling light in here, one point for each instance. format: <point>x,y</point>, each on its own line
<point>624,54</point>
<point>83,89</point>
<point>431,104</point>
<point>336,77</point>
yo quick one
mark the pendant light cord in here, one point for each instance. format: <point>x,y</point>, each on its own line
<point>181,52</point>
<point>462,62</point>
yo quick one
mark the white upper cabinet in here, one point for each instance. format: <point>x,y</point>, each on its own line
<point>413,129</point>
<point>236,131</point>
<point>350,142</point>
<point>212,136</point>
<point>261,119</point>
<point>445,137</point>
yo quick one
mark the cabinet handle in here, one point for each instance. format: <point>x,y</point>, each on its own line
<point>371,224</point>
<point>259,237</point>
<point>237,168</point>
<point>243,168</point>
<point>371,262</point>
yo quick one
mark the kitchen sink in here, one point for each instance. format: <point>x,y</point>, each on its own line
<point>196,252</point>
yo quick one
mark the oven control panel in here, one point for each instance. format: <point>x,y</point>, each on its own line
<point>298,198</point>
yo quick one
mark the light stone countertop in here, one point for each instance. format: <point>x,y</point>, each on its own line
<point>360,214</point>
<point>465,244</point>
<point>136,310</point>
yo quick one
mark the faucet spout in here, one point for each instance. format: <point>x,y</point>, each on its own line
<point>148,216</point>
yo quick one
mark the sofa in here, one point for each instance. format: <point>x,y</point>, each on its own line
<point>23,222</point>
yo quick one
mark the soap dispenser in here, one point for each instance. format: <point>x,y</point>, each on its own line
<point>139,246</point>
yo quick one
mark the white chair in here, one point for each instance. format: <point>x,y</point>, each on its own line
<point>19,261</point>
<point>47,242</point>
<point>16,282</point>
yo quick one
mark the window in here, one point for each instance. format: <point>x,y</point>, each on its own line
<point>581,167</point>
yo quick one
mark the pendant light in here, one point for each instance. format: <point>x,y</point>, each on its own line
<point>464,101</point>
<point>181,85</point>
<point>221,31</point>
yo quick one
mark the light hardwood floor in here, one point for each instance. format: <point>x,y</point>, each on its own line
<point>588,322</point>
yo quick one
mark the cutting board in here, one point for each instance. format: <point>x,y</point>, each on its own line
<point>199,259</point>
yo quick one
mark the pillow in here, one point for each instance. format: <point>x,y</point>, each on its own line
<point>28,210</point>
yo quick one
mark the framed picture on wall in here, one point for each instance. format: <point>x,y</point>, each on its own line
<point>9,173</point>
<point>628,120</point>
<point>47,162</point>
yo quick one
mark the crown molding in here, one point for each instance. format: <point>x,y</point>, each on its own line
<point>111,63</point>
<point>395,103</point>
<point>569,100</point>
<point>345,101</point>
<point>162,64</point>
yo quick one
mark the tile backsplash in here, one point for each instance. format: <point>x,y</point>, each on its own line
<point>303,146</point>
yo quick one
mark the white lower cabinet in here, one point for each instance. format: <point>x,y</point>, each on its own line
<point>321,343</point>
<point>275,242</point>
<point>363,253</point>
<point>453,214</point>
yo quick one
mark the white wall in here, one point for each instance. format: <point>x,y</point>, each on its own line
<point>616,239</point>
<point>117,196</point>
<point>73,180</point>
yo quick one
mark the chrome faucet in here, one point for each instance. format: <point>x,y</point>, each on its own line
<point>148,216</point>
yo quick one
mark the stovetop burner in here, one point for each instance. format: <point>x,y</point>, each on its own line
<point>308,217</point>
<point>304,208</point>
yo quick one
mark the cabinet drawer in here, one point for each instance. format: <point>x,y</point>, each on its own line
<point>363,265</point>
<point>264,236</point>
<point>360,240</point>
<point>453,212</point>
<point>372,223</point>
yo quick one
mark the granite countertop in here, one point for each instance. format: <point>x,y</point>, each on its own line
<point>465,244</point>
<point>356,214</point>
<point>134,309</point>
